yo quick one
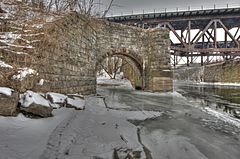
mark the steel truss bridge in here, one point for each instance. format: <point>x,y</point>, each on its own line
<point>201,35</point>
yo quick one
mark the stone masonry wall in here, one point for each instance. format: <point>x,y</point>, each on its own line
<point>69,51</point>
<point>151,45</point>
<point>158,69</point>
<point>228,72</point>
<point>67,54</point>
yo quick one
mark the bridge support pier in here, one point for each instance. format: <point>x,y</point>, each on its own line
<point>158,73</point>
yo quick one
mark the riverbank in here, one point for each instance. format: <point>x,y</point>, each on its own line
<point>120,122</point>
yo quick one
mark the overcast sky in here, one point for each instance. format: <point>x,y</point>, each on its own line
<point>126,6</point>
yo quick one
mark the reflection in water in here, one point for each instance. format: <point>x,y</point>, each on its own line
<point>224,98</point>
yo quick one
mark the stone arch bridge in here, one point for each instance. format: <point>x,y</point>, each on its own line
<point>74,45</point>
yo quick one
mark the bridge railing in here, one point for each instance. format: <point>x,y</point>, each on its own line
<point>177,9</point>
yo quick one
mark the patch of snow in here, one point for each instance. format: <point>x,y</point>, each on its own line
<point>120,75</point>
<point>4,47</point>
<point>17,28</point>
<point>6,91</point>
<point>76,102</point>
<point>103,75</point>
<point>17,46</point>
<point>23,73</point>
<point>57,97</point>
<point>30,35</point>
<point>166,70</point>
<point>9,37</point>
<point>25,31</point>
<point>50,19</point>
<point>30,97</point>
<point>3,64</point>
<point>224,117</point>
<point>55,106</point>
<point>41,81</point>
<point>120,83</point>
<point>34,41</point>
<point>38,26</point>
<point>25,40</point>
<point>220,84</point>
<point>171,94</point>
<point>17,52</point>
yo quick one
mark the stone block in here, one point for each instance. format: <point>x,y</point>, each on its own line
<point>38,110</point>
<point>8,104</point>
<point>162,84</point>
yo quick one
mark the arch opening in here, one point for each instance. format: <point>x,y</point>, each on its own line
<point>130,66</point>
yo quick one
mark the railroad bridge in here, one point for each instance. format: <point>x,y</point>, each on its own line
<point>202,36</point>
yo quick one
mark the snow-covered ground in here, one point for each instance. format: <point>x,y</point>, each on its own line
<point>222,116</point>
<point>104,128</point>
<point>220,84</point>
<point>95,131</point>
<point>217,84</point>
<point>119,82</point>
<point>26,138</point>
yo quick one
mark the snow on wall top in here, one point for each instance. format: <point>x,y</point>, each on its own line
<point>6,91</point>
<point>23,25</point>
<point>22,29</point>
<point>23,73</point>
<point>3,64</point>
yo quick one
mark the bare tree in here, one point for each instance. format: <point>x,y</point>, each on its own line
<point>81,6</point>
<point>112,66</point>
<point>108,8</point>
<point>88,7</point>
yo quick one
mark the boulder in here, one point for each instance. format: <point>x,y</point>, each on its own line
<point>35,104</point>
<point>57,100</point>
<point>126,153</point>
<point>76,102</point>
<point>37,110</point>
<point>9,103</point>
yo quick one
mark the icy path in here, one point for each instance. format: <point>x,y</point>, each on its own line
<point>96,132</point>
<point>24,138</point>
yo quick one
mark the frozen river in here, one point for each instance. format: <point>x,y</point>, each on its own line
<point>196,123</point>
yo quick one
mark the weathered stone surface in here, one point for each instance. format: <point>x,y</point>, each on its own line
<point>38,110</point>
<point>71,48</point>
<point>161,84</point>
<point>228,72</point>
<point>8,104</point>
